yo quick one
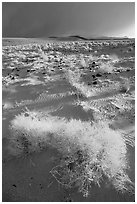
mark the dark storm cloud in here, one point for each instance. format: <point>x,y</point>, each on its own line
<point>34,19</point>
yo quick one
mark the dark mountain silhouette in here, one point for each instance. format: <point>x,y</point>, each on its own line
<point>78,38</point>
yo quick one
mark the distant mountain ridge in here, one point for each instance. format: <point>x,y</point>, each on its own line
<point>78,37</point>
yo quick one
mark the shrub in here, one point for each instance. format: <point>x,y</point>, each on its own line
<point>91,152</point>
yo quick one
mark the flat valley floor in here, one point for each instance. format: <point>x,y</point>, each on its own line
<point>68,120</point>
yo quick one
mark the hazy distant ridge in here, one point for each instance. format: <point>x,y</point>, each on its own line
<point>78,37</point>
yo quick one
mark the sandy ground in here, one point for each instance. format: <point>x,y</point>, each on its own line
<point>66,80</point>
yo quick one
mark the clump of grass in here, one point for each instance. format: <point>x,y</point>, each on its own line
<point>75,80</point>
<point>106,67</point>
<point>125,84</point>
<point>83,62</point>
<point>91,153</point>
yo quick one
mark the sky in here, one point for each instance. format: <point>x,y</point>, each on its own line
<point>44,19</point>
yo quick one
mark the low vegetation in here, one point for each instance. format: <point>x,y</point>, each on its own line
<point>92,153</point>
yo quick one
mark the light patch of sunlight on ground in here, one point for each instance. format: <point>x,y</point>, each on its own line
<point>32,81</point>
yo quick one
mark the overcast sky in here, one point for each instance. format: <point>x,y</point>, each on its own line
<point>32,19</point>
